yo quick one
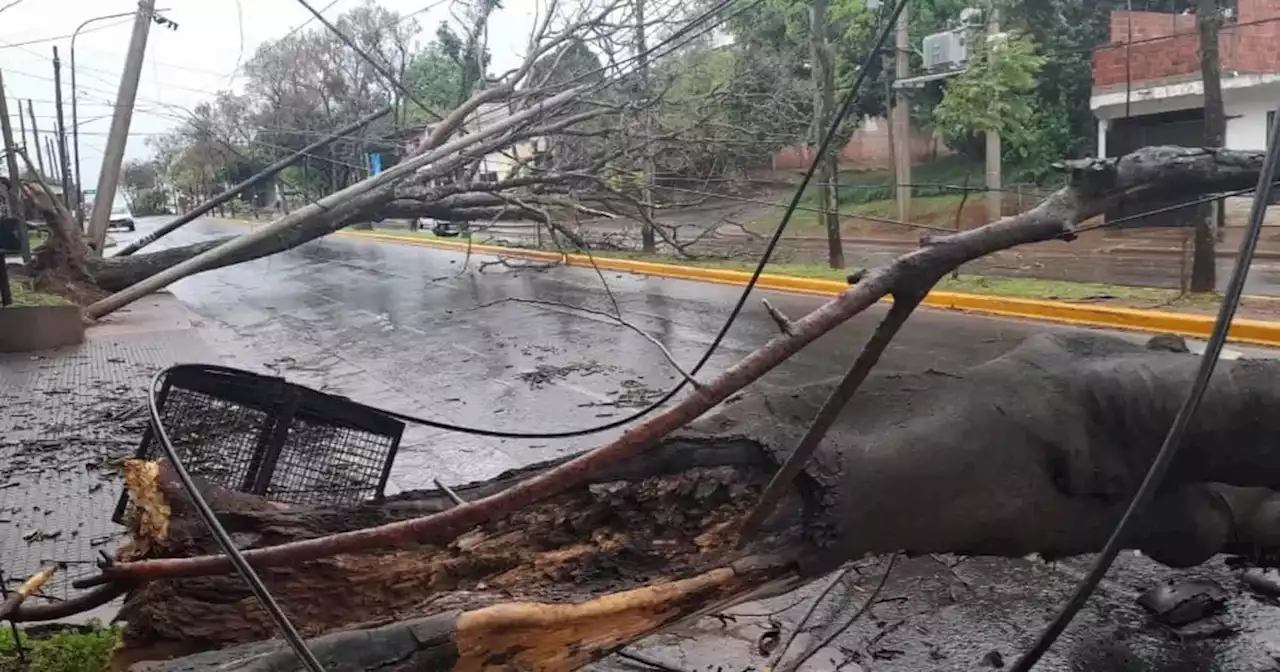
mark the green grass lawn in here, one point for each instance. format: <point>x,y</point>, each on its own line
<point>24,294</point>
<point>937,211</point>
<point>84,650</point>
<point>1028,288</point>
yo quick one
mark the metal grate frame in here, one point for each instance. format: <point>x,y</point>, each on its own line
<point>266,436</point>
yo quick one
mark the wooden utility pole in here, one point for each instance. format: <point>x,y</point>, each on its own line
<point>35,135</point>
<point>51,156</point>
<point>824,104</point>
<point>16,207</point>
<point>994,181</point>
<point>65,164</point>
<point>22,124</point>
<point>648,241</point>
<point>1203,260</point>
<point>900,117</point>
<point>109,177</point>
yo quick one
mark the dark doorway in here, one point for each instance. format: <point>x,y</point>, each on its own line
<point>1183,127</point>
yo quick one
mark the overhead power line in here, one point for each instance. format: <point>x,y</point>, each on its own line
<point>54,38</point>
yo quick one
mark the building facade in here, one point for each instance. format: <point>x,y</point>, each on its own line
<point>1147,87</point>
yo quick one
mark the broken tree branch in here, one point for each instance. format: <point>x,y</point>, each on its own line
<point>1093,185</point>
<point>853,618</point>
<point>351,199</point>
<point>783,322</point>
<point>804,620</point>
<point>28,587</point>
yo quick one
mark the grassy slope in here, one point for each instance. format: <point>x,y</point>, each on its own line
<point>25,295</point>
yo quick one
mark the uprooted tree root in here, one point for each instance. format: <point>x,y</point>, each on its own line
<point>666,528</point>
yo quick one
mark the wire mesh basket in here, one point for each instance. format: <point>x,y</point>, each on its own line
<point>266,436</point>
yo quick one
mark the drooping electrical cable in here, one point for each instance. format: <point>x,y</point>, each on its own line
<point>1173,440</point>
<point>829,137</point>
<point>831,133</point>
<point>237,559</point>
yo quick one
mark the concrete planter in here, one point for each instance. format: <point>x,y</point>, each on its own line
<point>27,328</point>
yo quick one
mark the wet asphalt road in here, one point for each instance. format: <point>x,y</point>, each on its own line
<point>409,328</point>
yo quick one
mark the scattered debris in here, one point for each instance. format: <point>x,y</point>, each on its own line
<point>635,394</point>
<point>1265,580</point>
<point>546,373</point>
<point>768,641</point>
<point>1178,603</point>
<point>1168,342</point>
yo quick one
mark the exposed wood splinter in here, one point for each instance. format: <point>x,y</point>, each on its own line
<point>29,587</point>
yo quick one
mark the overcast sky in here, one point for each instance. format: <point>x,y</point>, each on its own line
<point>182,67</point>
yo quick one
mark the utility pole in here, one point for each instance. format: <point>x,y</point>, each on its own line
<point>16,206</point>
<point>824,103</point>
<point>65,172</point>
<point>22,123</point>
<point>53,162</point>
<point>109,177</point>
<point>35,135</point>
<point>994,182</point>
<point>900,117</point>
<point>1203,261</point>
<point>648,242</point>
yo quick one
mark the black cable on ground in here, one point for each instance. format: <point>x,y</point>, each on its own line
<point>220,533</point>
<point>832,131</point>
<point>1173,440</point>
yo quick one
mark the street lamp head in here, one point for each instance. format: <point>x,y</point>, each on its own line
<point>162,21</point>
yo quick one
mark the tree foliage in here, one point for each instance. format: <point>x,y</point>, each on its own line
<point>996,93</point>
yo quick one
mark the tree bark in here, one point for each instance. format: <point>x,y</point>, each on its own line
<point>1203,260</point>
<point>824,103</point>
<point>1037,451</point>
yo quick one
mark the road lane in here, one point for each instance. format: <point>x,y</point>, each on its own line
<point>416,329</point>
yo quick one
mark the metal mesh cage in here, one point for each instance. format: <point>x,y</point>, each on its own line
<point>263,435</point>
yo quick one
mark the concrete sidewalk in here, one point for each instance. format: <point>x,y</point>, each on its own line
<point>71,417</point>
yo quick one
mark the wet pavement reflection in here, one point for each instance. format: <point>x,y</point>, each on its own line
<point>426,332</point>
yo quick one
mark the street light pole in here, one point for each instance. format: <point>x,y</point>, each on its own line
<point>113,155</point>
<point>75,116</point>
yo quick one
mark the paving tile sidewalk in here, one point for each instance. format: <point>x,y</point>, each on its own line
<point>68,419</point>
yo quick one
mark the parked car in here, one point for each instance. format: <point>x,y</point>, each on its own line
<point>444,229</point>
<point>121,216</point>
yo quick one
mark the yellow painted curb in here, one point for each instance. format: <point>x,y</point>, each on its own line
<point>1257,332</point>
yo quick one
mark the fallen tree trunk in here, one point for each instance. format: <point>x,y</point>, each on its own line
<point>1034,452</point>
<point>638,540</point>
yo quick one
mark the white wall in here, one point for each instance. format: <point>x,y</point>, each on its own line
<point>1247,121</point>
<point>1245,98</point>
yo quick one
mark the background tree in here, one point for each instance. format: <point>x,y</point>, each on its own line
<point>997,93</point>
<point>1204,262</point>
<point>138,179</point>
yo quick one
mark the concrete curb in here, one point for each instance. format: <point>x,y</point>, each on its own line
<point>1268,255</point>
<point>1256,332</point>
